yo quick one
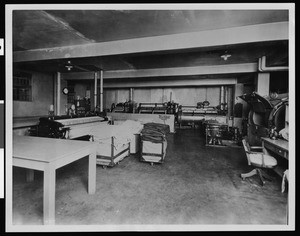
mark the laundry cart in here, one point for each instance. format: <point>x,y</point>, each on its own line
<point>114,141</point>
<point>154,143</point>
<point>112,147</point>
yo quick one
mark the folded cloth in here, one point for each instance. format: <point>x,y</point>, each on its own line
<point>284,133</point>
<point>154,132</point>
<point>157,126</point>
<point>153,139</point>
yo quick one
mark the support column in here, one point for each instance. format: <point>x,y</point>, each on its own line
<point>101,90</point>
<point>239,106</point>
<point>263,84</point>
<point>229,102</point>
<point>131,94</point>
<point>226,95</point>
<point>58,85</point>
<point>95,90</point>
<point>222,98</point>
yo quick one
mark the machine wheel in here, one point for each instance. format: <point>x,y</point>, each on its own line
<point>151,163</point>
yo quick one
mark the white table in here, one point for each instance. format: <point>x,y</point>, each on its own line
<point>47,155</point>
<point>279,147</point>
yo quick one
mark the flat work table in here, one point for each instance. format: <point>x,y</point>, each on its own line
<point>279,147</point>
<point>47,155</point>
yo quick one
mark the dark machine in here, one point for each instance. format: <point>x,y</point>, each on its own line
<point>126,107</point>
<point>266,114</point>
<point>153,108</point>
<point>195,114</point>
<point>64,127</point>
<point>216,133</point>
<point>49,128</point>
<point>119,107</point>
<point>213,133</point>
<point>172,108</point>
<point>82,106</point>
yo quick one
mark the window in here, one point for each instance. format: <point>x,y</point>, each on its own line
<point>22,87</point>
<point>279,82</point>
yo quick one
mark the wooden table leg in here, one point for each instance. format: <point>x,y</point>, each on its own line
<point>49,195</point>
<point>92,173</point>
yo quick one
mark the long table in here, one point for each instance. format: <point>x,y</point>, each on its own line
<point>280,147</point>
<point>47,155</point>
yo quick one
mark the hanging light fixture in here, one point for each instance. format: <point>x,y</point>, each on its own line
<point>69,66</point>
<point>225,56</point>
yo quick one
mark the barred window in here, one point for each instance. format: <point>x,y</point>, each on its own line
<point>22,87</point>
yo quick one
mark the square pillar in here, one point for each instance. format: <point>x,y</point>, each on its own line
<point>239,105</point>
<point>263,84</point>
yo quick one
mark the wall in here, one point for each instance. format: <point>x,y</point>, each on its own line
<point>80,89</point>
<point>111,96</point>
<point>42,97</point>
<point>184,91</point>
<point>183,95</point>
<point>63,98</point>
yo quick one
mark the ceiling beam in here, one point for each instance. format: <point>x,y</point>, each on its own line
<point>175,71</point>
<point>171,83</point>
<point>64,25</point>
<point>183,71</point>
<point>208,38</point>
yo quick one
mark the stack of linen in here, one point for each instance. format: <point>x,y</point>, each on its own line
<point>154,142</point>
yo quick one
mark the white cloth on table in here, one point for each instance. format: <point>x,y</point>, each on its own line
<point>122,133</point>
<point>284,133</point>
<point>129,127</point>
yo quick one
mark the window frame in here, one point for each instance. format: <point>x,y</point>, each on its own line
<point>22,81</point>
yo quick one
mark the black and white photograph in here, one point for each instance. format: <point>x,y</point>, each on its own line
<point>150,117</point>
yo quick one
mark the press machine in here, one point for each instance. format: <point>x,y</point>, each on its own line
<point>65,127</point>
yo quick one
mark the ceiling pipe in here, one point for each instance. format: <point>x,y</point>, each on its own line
<point>95,90</point>
<point>58,97</point>
<point>263,68</point>
<point>101,90</point>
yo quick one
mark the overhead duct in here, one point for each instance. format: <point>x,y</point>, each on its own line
<point>263,68</point>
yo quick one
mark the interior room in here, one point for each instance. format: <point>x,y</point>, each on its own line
<point>150,117</point>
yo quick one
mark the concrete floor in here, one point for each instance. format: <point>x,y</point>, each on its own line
<point>195,185</point>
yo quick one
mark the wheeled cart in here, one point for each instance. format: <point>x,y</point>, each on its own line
<point>112,154</point>
<point>153,152</point>
<point>154,143</point>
